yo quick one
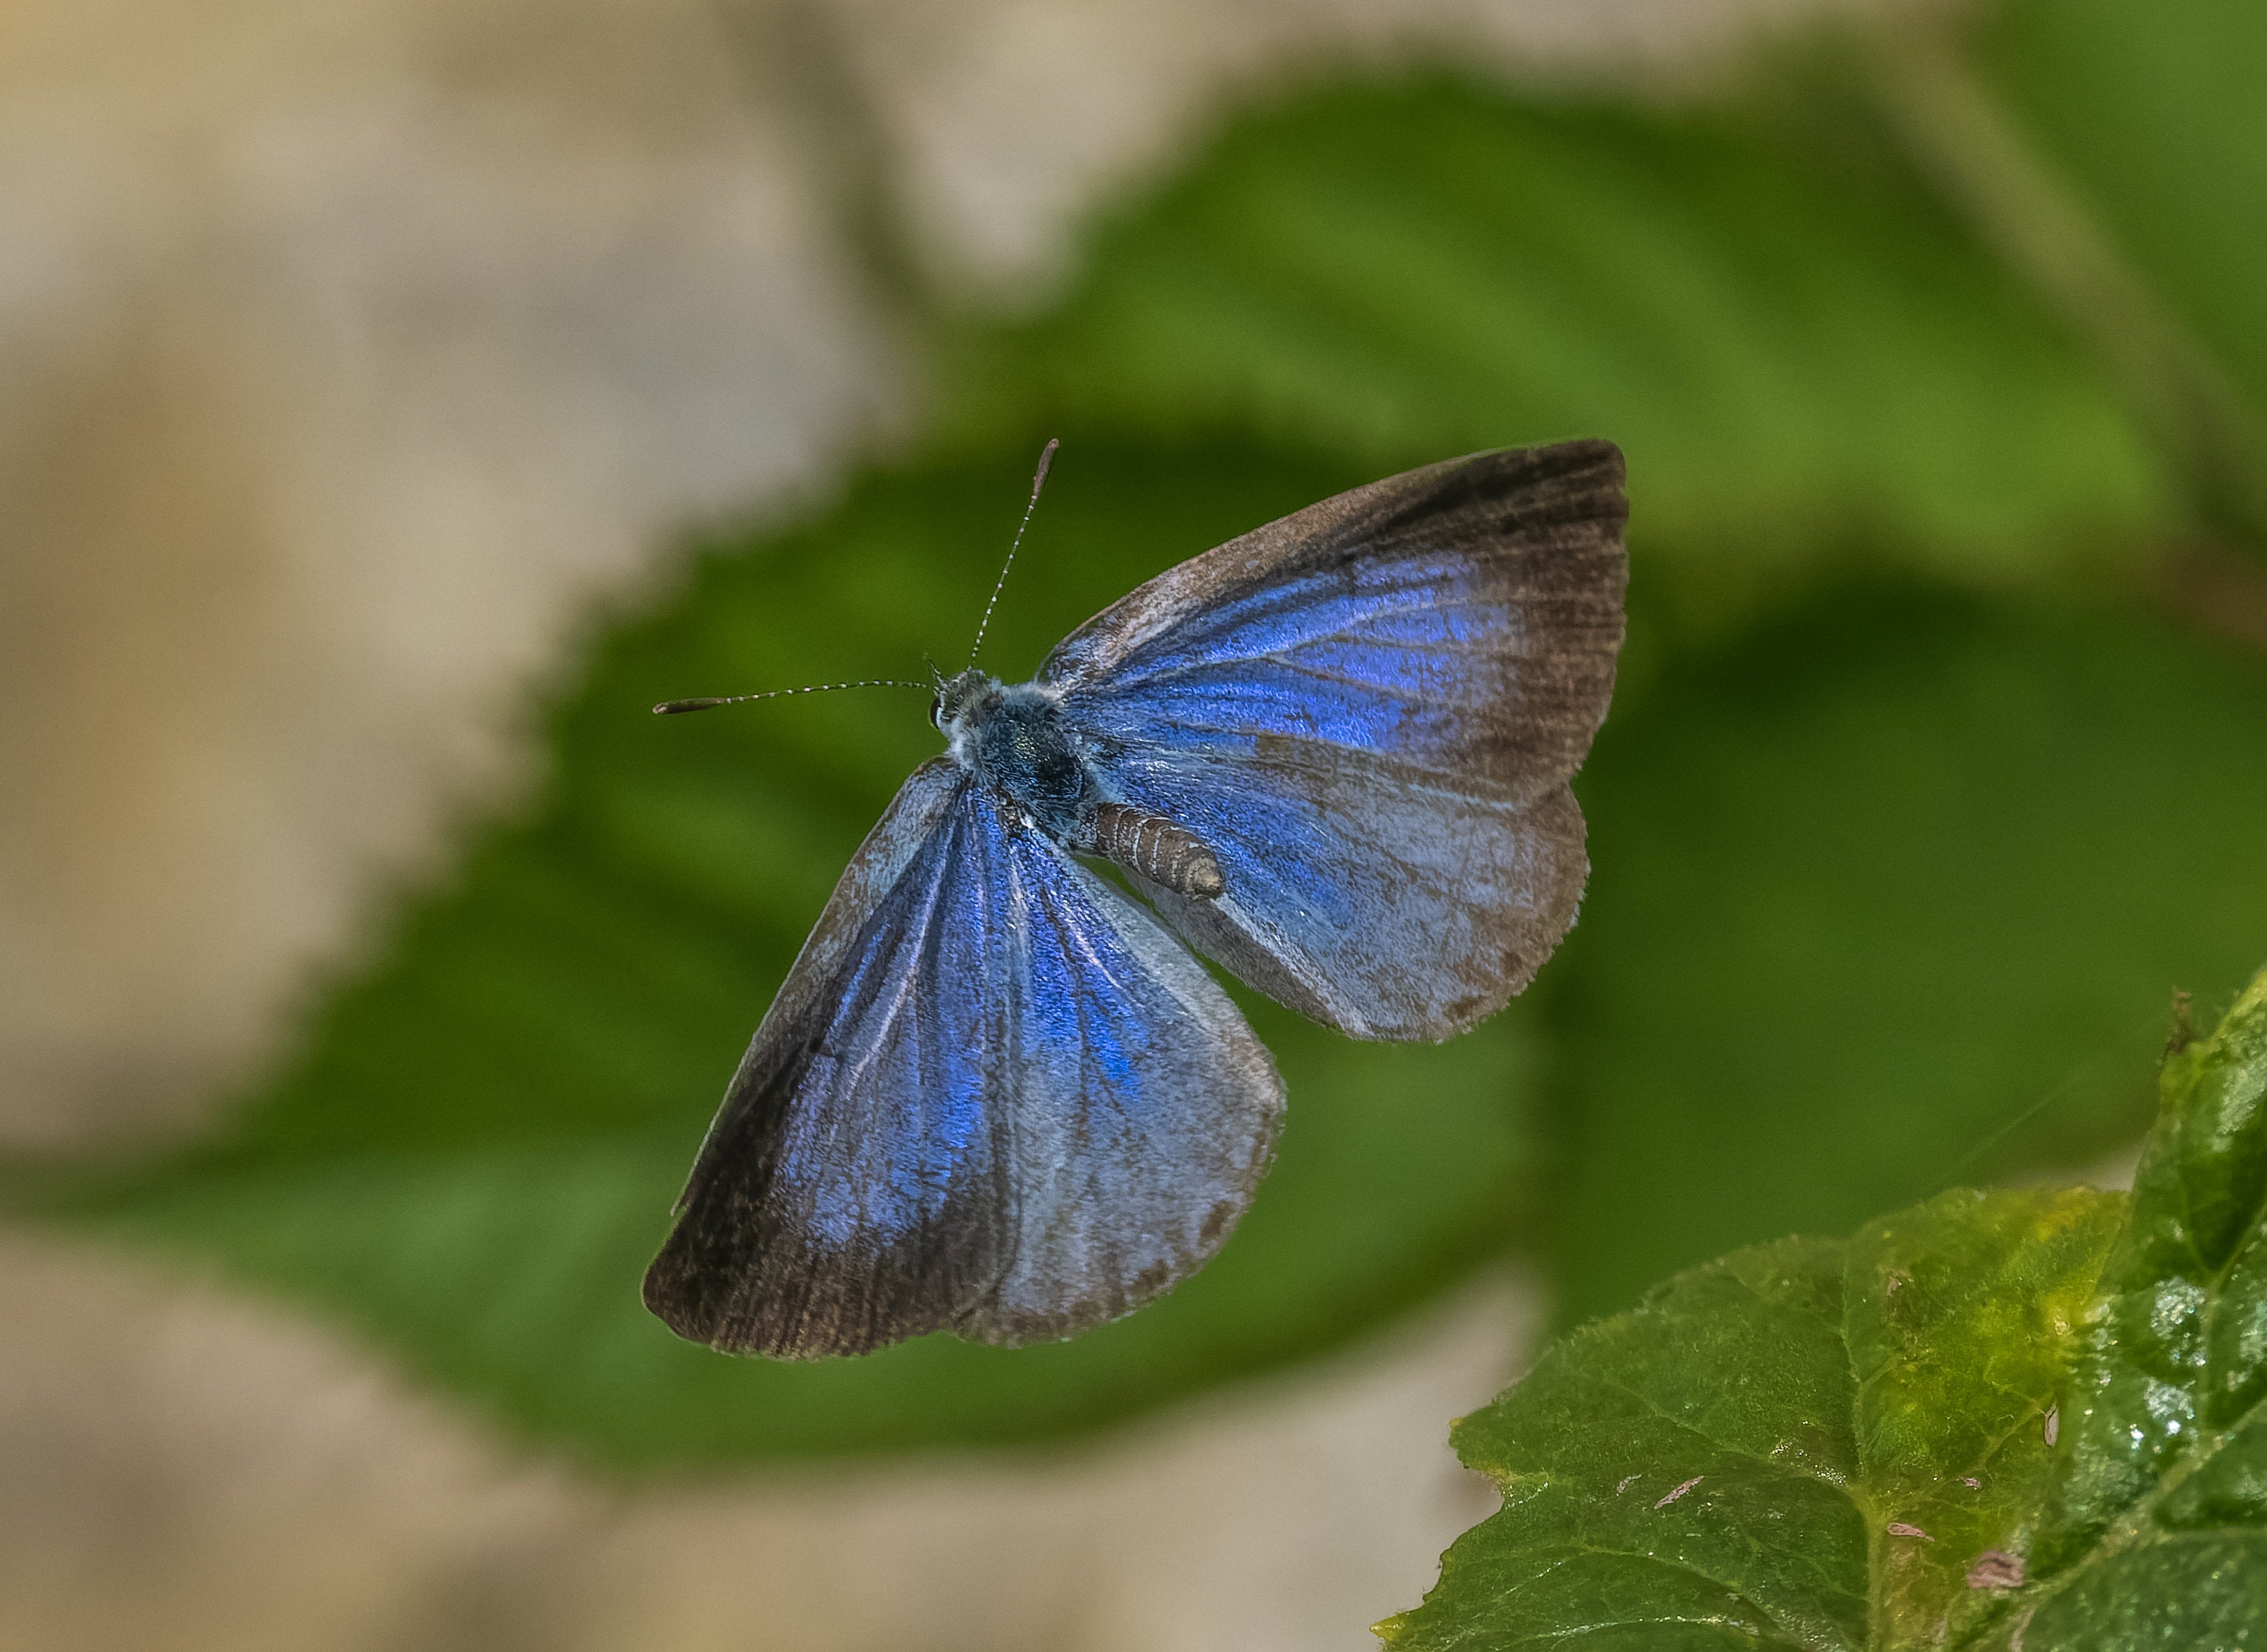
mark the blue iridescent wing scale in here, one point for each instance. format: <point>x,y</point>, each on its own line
<point>1369,712</point>
<point>994,1096</point>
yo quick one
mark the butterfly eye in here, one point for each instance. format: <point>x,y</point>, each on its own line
<point>936,709</point>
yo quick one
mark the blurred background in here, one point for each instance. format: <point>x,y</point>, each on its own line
<point>397,398</point>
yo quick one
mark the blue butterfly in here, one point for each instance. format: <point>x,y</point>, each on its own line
<point>997,1096</point>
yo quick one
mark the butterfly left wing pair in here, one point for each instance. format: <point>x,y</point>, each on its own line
<point>994,1096</point>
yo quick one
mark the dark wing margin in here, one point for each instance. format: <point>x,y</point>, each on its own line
<point>1369,711</point>
<point>1463,618</point>
<point>741,1270</point>
<point>995,1097</point>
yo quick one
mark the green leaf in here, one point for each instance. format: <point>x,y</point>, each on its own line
<point>1895,894</point>
<point>2028,1417</point>
<point>1797,347</point>
<point>2160,1512</point>
<point>473,1153</point>
<point>1806,1445</point>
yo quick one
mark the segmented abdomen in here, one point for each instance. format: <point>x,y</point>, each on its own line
<point>1155,848</point>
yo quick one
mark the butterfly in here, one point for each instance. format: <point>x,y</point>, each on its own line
<point>998,1095</point>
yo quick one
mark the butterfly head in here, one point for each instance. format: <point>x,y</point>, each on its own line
<point>961,701</point>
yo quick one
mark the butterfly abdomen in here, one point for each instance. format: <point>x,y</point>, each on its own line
<point>1154,847</point>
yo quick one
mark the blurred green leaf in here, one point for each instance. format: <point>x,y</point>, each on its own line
<point>2153,114</point>
<point>474,1153</point>
<point>2111,154</point>
<point>1799,348</point>
<point>1990,1420</point>
<point>1895,894</point>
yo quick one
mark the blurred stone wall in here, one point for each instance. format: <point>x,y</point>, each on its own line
<point>349,355</point>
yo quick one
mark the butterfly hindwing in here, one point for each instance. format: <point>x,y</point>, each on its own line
<point>1384,908</point>
<point>994,1096</point>
<point>1369,712</point>
<point>1144,1107</point>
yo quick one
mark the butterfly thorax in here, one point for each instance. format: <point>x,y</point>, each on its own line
<point>1016,741</point>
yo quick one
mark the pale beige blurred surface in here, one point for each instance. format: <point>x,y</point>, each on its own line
<point>255,1485</point>
<point>347,355</point>
<point>345,361</point>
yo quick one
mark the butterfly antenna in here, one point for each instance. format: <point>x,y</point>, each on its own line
<point>1038,481</point>
<point>668,707</point>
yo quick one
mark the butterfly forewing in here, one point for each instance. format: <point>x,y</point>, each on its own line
<point>1462,619</point>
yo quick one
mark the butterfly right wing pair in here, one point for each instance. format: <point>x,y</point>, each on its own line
<point>1369,712</point>
<point>994,1096</point>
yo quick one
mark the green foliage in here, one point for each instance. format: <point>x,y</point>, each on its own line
<point>1799,351</point>
<point>1993,1419</point>
<point>1906,824</point>
<point>2152,115</point>
<point>1891,896</point>
<point>2159,1518</point>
